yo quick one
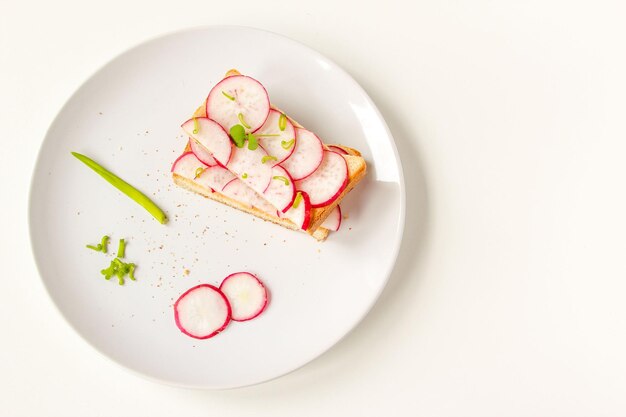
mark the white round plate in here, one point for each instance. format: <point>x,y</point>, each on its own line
<point>127,117</point>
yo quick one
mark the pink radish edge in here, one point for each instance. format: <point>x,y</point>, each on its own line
<point>204,147</point>
<point>307,213</point>
<point>265,300</point>
<point>269,105</point>
<point>178,159</point>
<point>337,149</point>
<point>226,322</point>
<point>196,148</point>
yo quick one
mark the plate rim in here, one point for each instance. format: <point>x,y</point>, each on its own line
<point>201,28</point>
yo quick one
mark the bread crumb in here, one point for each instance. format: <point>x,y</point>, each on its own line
<point>186,272</point>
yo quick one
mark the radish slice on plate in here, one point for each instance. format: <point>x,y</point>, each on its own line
<point>306,156</point>
<point>215,177</point>
<point>277,143</point>
<point>337,149</point>
<point>240,192</point>
<point>211,137</point>
<point>202,311</point>
<point>246,294</point>
<point>248,165</point>
<point>333,221</point>
<point>188,165</point>
<point>238,100</point>
<point>282,190</point>
<point>201,153</point>
<point>300,211</point>
<point>327,182</point>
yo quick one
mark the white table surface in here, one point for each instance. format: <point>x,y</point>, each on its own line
<point>508,298</point>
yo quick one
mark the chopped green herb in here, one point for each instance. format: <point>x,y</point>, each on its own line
<point>244,175</point>
<point>228,96</point>
<point>120,269</point>
<point>238,134</point>
<point>268,158</point>
<point>131,271</point>
<point>282,122</point>
<point>104,242</point>
<point>121,249</point>
<point>281,178</point>
<point>253,143</point>
<point>286,144</point>
<point>243,122</point>
<point>100,247</point>
<point>196,126</point>
<point>198,172</point>
<point>296,201</point>
<point>124,187</point>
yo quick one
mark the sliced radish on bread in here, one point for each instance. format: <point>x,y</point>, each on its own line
<point>201,153</point>
<point>202,311</point>
<point>240,192</point>
<point>238,99</point>
<point>215,177</point>
<point>306,156</point>
<point>211,136</point>
<point>246,294</point>
<point>333,221</point>
<point>328,180</point>
<point>188,165</point>
<point>248,165</point>
<point>300,211</point>
<point>276,136</point>
<point>282,190</point>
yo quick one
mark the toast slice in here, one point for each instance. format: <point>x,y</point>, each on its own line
<point>356,166</point>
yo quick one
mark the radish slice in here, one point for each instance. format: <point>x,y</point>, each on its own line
<point>306,156</point>
<point>211,137</point>
<point>280,193</point>
<point>202,311</point>
<point>274,145</point>
<point>333,221</point>
<point>240,192</point>
<point>337,149</point>
<point>327,182</point>
<point>235,98</point>
<point>246,294</point>
<point>201,153</point>
<point>188,165</point>
<point>215,177</point>
<point>300,215</point>
<point>249,164</point>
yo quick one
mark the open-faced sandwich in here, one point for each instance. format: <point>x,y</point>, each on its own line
<point>250,155</point>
